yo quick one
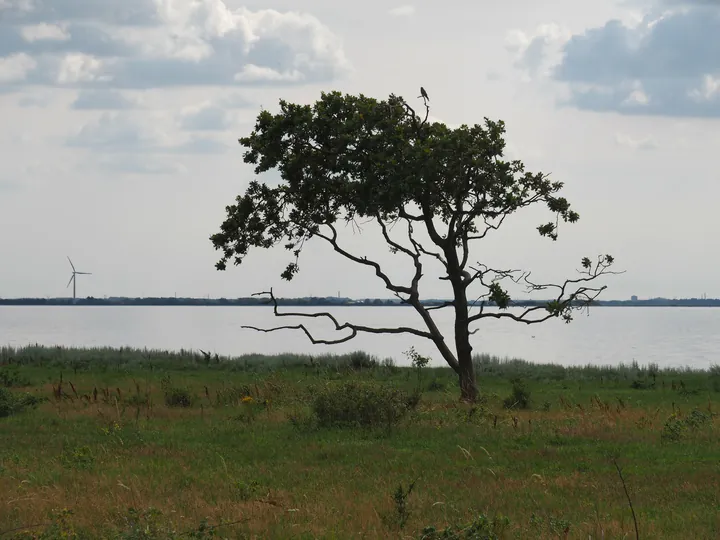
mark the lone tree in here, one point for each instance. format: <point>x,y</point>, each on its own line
<point>349,158</point>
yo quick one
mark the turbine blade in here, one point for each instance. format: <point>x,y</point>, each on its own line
<point>84,273</point>
<point>69,282</point>
<point>71,264</point>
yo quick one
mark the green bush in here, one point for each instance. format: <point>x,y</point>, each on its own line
<point>520,396</point>
<point>362,405</point>
<point>10,376</point>
<point>482,528</point>
<point>11,403</point>
<point>176,396</point>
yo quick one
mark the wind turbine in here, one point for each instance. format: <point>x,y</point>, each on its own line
<point>72,278</point>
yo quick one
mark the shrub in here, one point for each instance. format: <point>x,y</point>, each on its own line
<point>360,360</point>
<point>520,396</point>
<point>482,528</point>
<point>676,427</point>
<point>10,376</point>
<point>176,396</point>
<point>362,405</point>
<point>11,403</point>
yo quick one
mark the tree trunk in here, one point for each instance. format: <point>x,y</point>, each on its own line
<point>466,370</point>
<point>468,384</point>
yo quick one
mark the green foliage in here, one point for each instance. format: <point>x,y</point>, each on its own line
<point>519,398</point>
<point>176,396</point>
<point>676,426</point>
<point>349,157</point>
<point>80,457</point>
<point>10,376</point>
<point>12,403</point>
<point>364,405</point>
<point>402,509</point>
<point>482,528</point>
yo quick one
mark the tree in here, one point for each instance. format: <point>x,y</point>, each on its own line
<point>349,158</point>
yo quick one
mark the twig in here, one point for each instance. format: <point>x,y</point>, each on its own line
<point>619,470</point>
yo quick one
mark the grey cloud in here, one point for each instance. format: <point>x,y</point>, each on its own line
<point>117,12</point>
<point>118,133</point>
<point>209,118</point>
<point>236,101</point>
<point>669,58</point>
<point>9,186</point>
<point>200,145</point>
<point>102,100</point>
<point>138,45</point>
<point>33,101</point>
<point>138,164</point>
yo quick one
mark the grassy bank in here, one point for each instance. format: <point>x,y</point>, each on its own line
<point>149,444</point>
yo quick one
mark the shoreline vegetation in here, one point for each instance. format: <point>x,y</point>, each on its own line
<point>127,444</point>
<point>326,301</point>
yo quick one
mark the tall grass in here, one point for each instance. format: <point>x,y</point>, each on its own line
<point>80,359</point>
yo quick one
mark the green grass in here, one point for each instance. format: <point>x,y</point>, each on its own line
<point>150,444</point>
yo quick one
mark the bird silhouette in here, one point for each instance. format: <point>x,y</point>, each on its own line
<point>423,94</point>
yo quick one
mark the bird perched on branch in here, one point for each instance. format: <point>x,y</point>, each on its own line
<point>423,94</point>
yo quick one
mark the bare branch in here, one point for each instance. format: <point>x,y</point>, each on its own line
<point>566,301</point>
<point>332,240</point>
<point>353,328</point>
<point>440,306</point>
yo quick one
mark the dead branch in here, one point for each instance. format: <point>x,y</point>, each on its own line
<point>353,328</point>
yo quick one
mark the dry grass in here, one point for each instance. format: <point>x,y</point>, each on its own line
<point>549,468</point>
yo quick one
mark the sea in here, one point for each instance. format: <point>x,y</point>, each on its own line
<point>667,336</point>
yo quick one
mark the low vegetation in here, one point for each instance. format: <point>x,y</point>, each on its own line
<point>131,444</point>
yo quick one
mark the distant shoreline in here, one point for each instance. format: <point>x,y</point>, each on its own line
<point>323,302</point>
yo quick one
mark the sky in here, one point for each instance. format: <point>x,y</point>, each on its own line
<point>120,122</point>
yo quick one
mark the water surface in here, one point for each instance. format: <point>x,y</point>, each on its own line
<point>667,336</point>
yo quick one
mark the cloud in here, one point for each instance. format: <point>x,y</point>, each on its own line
<point>34,101</point>
<point>9,186</point>
<point>161,43</point>
<point>645,143</point>
<point>115,132</point>
<point>15,68</point>
<point>236,101</point>
<point>402,11</point>
<point>667,64</point>
<point>134,164</point>
<point>206,117</point>
<point>102,100</point>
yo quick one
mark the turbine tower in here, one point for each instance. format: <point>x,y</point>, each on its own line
<point>72,278</point>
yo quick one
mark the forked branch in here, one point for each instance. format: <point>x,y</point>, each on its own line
<point>353,328</point>
<point>572,294</point>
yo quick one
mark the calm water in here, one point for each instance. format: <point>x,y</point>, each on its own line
<point>667,336</point>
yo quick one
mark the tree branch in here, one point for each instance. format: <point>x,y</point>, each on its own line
<point>580,298</point>
<point>354,328</point>
<point>332,240</point>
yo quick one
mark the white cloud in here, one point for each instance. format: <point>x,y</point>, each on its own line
<point>403,11</point>
<point>16,67</point>
<point>161,43</point>
<point>707,91</point>
<point>80,68</point>
<point>645,143</point>
<point>253,74</point>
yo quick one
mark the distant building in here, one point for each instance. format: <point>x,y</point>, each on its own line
<point>633,298</point>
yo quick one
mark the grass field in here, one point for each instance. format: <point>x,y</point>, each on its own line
<point>103,443</point>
